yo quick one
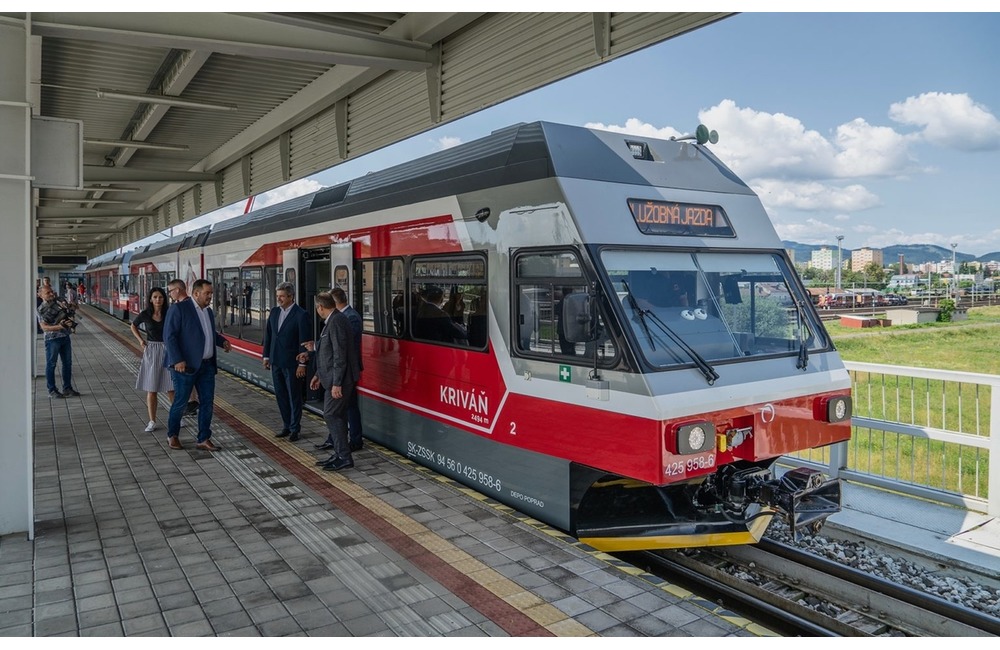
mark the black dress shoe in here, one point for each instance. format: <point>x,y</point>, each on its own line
<point>284,434</point>
<point>294,437</point>
<point>356,446</point>
<point>324,446</point>
<point>338,464</point>
<point>326,461</point>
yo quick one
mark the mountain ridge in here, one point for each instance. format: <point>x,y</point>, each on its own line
<point>912,253</point>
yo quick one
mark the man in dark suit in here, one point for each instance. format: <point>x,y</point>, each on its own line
<point>284,337</point>
<point>338,369</point>
<point>354,438</point>
<point>190,338</point>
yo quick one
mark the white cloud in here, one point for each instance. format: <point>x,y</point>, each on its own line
<point>949,120</point>
<point>446,142</point>
<point>812,231</point>
<point>277,195</point>
<point>635,126</point>
<point>764,145</point>
<point>286,192</point>
<point>870,151</point>
<point>812,195</point>
<point>774,145</point>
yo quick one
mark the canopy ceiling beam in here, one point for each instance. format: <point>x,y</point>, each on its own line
<point>240,35</point>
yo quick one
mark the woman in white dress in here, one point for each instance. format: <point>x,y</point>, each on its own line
<point>153,377</point>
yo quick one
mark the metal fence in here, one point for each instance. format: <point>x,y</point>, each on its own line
<point>926,433</point>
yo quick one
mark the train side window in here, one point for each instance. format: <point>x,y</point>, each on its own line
<point>251,289</point>
<point>542,281</point>
<point>268,299</point>
<point>231,322</point>
<point>382,297</point>
<point>218,296</point>
<point>448,301</point>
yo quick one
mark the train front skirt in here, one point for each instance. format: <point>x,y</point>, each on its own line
<point>730,507</point>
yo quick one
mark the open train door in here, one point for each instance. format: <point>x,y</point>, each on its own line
<point>323,269</point>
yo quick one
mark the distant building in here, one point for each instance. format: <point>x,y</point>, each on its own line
<point>865,256</point>
<point>903,282</point>
<point>822,259</point>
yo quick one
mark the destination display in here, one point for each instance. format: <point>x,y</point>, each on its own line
<point>679,219</point>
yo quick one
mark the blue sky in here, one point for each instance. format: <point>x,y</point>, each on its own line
<point>884,128</point>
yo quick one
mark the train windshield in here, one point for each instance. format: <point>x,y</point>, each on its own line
<point>694,307</point>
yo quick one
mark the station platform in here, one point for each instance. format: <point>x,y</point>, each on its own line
<point>956,539</point>
<point>135,539</point>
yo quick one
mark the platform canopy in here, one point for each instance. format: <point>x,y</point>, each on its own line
<point>183,113</point>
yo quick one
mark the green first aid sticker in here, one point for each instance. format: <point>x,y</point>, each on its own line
<point>565,373</point>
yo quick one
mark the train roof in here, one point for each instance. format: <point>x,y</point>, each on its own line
<point>515,154</point>
<point>285,207</point>
<point>173,244</point>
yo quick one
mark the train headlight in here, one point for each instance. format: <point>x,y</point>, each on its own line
<point>835,409</point>
<point>695,438</point>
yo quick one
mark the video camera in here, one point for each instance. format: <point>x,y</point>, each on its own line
<point>65,315</point>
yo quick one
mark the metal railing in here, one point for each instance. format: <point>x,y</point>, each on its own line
<point>925,433</point>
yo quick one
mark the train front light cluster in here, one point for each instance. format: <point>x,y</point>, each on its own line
<point>835,409</point>
<point>695,438</point>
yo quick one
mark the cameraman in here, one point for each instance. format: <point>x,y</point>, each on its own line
<point>55,319</point>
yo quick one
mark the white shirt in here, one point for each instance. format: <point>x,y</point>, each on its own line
<point>206,327</point>
<point>283,314</point>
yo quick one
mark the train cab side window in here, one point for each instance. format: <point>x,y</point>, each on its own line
<point>542,282</point>
<point>382,297</point>
<point>448,301</point>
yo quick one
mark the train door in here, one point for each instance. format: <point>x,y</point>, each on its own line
<point>323,269</point>
<point>316,276</point>
<point>113,292</point>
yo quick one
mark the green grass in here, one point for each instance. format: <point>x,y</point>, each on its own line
<point>972,345</point>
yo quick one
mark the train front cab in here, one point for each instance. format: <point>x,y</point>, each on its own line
<point>739,372</point>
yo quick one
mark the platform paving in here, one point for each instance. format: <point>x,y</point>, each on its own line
<point>134,539</point>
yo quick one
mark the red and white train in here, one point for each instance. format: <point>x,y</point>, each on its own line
<point>600,330</point>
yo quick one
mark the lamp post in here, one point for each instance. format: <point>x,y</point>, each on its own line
<point>954,274</point>
<point>840,262</point>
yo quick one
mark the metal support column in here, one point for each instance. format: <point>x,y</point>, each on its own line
<point>17,334</point>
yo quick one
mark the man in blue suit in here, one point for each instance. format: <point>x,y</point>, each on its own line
<point>287,330</point>
<point>190,338</point>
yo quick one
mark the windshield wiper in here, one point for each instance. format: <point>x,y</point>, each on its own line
<point>703,365</point>
<point>803,361</point>
<point>699,361</point>
<point>642,315</point>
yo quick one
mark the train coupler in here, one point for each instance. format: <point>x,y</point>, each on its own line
<point>802,495</point>
<point>806,499</point>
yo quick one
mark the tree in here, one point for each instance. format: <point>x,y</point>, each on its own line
<point>875,273</point>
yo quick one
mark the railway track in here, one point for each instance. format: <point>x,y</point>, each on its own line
<point>799,594</point>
